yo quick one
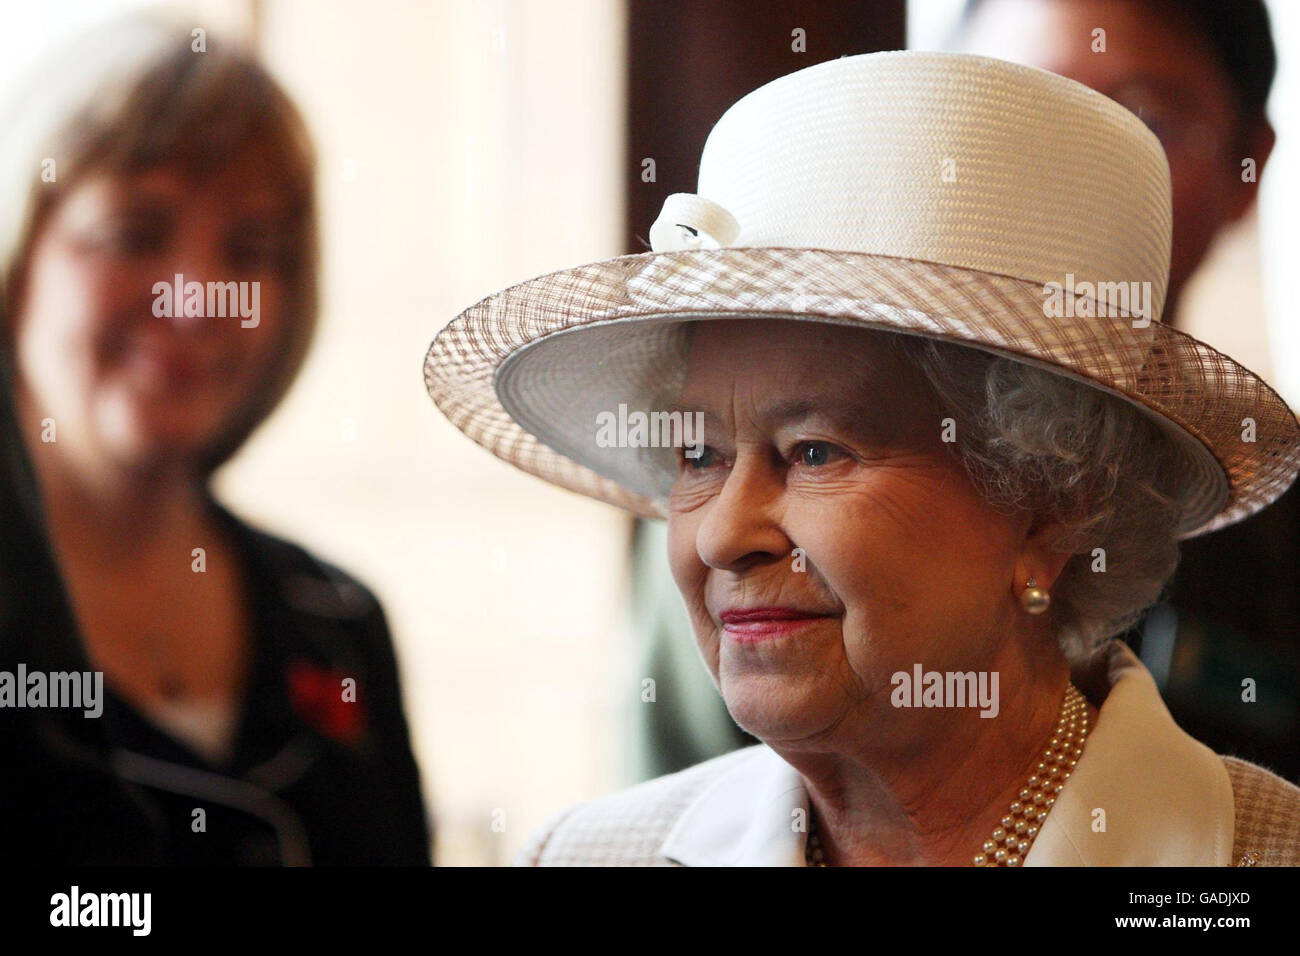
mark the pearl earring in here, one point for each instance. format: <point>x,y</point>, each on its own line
<point>1033,598</point>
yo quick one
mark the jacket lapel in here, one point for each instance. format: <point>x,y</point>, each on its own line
<point>744,818</point>
<point>1166,798</point>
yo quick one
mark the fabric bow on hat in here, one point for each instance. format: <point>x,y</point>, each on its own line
<point>688,221</point>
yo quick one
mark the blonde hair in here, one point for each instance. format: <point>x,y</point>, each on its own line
<point>134,94</point>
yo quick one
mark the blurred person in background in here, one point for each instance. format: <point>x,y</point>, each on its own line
<point>1198,73</point>
<point>252,712</point>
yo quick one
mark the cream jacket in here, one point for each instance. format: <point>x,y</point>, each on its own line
<point>1168,801</point>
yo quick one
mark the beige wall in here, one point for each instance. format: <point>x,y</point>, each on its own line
<point>464,146</point>
<point>1280,205</point>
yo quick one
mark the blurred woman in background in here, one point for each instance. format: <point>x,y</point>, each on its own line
<point>158,267</point>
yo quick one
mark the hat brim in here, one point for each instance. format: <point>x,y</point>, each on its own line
<point>526,372</point>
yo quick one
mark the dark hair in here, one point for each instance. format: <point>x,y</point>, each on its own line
<point>1237,30</point>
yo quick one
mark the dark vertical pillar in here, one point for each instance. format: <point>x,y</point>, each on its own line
<point>688,60</point>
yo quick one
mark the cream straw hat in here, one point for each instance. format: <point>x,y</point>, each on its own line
<point>944,195</point>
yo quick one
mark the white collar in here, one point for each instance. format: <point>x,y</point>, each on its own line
<point>743,818</point>
<point>1167,798</point>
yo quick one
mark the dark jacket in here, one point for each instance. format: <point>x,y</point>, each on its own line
<point>314,779</point>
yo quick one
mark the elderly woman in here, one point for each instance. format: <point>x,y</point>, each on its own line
<point>933,450</point>
<point>159,293</point>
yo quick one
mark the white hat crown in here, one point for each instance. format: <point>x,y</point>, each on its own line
<point>948,158</point>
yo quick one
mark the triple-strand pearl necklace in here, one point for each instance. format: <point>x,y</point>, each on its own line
<point>1015,832</point>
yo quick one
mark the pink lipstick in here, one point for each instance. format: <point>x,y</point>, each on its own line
<point>750,625</point>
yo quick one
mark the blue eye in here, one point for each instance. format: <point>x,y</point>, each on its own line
<point>699,457</point>
<point>815,453</point>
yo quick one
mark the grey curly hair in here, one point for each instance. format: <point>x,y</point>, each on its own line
<point>1031,439</point>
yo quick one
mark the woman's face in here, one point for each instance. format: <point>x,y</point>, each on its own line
<point>818,439</point>
<point>126,385</point>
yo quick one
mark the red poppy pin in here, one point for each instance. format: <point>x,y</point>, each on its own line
<point>326,700</point>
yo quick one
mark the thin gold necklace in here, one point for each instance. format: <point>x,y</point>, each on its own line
<point>1015,833</point>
